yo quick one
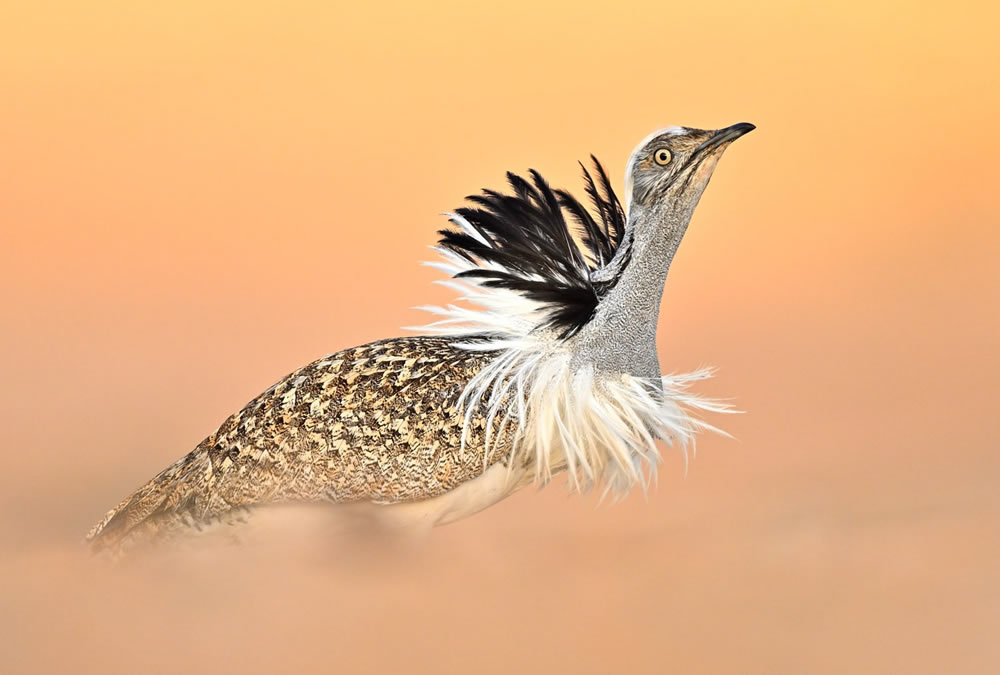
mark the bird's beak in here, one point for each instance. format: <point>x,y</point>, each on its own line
<point>724,136</point>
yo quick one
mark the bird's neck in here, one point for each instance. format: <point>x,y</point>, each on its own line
<point>621,337</point>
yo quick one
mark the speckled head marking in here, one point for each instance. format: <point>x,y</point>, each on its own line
<point>676,160</point>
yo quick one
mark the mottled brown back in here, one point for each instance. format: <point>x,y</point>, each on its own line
<point>375,423</point>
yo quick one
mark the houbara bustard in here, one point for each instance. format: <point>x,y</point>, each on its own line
<point>550,367</point>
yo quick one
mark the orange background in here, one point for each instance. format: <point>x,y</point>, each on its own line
<point>196,198</point>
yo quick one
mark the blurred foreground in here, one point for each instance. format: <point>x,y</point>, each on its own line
<point>733,569</point>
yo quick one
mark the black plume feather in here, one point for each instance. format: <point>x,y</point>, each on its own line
<point>527,235</point>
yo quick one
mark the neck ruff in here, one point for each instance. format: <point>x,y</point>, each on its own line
<point>601,428</point>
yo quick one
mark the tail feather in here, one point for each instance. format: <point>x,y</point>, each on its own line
<point>157,507</point>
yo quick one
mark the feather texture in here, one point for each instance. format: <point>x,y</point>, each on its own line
<point>408,420</point>
<point>374,423</point>
<point>523,242</point>
<point>516,257</point>
<point>601,428</point>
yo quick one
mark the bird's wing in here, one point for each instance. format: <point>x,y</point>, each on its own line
<point>376,423</point>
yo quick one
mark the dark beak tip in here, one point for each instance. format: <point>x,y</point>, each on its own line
<point>723,137</point>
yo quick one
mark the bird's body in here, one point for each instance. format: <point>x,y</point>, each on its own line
<point>557,372</point>
<point>374,423</point>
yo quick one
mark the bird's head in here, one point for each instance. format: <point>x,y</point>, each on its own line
<point>672,166</point>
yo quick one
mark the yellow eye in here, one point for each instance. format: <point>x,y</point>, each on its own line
<point>662,156</point>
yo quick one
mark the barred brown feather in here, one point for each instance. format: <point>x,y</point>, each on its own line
<point>375,423</point>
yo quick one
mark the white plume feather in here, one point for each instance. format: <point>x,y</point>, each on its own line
<point>601,428</point>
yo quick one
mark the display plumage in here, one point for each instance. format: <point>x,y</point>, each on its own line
<point>550,367</point>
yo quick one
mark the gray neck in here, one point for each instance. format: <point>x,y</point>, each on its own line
<point>621,337</point>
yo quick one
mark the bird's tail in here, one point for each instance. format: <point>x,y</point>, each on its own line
<point>168,502</point>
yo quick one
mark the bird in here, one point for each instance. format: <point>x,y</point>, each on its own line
<point>546,364</point>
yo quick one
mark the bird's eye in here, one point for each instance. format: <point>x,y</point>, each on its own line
<point>662,156</point>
